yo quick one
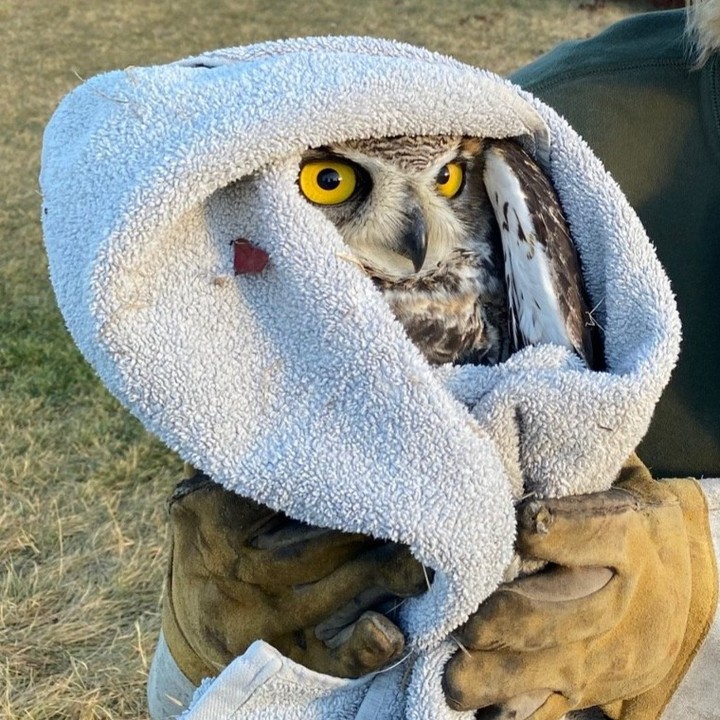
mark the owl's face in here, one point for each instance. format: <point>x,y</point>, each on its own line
<point>402,204</point>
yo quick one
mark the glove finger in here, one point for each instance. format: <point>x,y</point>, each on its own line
<point>239,538</point>
<point>369,598</point>
<point>369,644</point>
<point>552,608</point>
<point>537,705</point>
<point>584,530</point>
<point>478,679</point>
<point>289,536</point>
<point>554,708</point>
<point>299,558</point>
<point>390,568</point>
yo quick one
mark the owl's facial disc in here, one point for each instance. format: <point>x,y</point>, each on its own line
<point>403,205</point>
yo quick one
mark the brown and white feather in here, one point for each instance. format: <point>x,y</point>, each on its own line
<point>546,301</point>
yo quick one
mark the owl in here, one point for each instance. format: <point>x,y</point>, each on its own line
<point>464,237</point>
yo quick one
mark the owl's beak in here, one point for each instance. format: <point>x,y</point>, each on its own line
<point>413,243</point>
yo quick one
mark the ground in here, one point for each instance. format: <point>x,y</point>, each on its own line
<point>82,486</point>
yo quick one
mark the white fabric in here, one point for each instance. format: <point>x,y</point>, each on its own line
<point>296,386</point>
<point>698,695</point>
<point>169,692</point>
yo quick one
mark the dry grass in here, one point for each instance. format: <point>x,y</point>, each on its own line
<point>82,525</point>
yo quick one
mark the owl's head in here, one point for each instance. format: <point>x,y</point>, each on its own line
<point>402,204</point>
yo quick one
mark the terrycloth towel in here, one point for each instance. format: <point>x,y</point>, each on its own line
<point>296,386</point>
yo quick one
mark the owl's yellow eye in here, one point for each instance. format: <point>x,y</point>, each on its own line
<point>450,180</point>
<point>327,182</point>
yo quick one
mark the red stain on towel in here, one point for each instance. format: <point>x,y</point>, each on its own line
<point>248,258</point>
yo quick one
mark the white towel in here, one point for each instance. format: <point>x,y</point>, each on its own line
<point>296,386</point>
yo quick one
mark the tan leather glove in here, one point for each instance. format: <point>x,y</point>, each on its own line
<point>239,572</point>
<point>614,621</point>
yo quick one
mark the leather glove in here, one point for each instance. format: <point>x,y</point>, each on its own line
<point>615,618</point>
<point>240,572</point>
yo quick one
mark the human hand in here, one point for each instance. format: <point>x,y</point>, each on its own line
<point>606,624</point>
<point>241,572</point>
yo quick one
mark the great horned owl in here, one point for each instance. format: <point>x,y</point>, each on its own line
<point>464,237</point>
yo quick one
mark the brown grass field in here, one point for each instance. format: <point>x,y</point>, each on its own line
<point>82,486</point>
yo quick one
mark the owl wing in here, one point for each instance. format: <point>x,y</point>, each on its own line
<point>546,296</point>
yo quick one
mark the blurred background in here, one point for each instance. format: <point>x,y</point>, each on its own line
<point>82,486</point>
